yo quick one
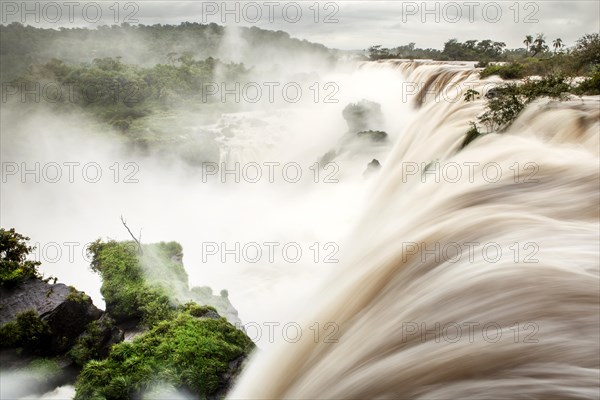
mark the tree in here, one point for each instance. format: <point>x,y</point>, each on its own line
<point>539,44</point>
<point>587,50</point>
<point>470,44</point>
<point>498,47</point>
<point>377,52</point>
<point>557,44</point>
<point>14,266</point>
<point>528,41</point>
<point>171,57</point>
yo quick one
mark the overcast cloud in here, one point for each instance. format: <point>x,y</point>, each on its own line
<point>338,24</point>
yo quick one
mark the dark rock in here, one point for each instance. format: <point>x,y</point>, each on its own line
<point>327,158</point>
<point>372,167</point>
<point>66,311</point>
<point>363,116</point>
<point>211,315</point>
<point>204,295</point>
<point>492,93</point>
<point>110,334</point>
<point>229,377</point>
<point>376,136</point>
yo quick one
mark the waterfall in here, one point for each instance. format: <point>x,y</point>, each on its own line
<point>473,274</point>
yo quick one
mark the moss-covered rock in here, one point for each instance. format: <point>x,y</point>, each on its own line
<point>196,354</point>
<point>148,284</point>
<point>96,342</point>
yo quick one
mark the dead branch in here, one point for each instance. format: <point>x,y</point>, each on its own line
<point>138,241</point>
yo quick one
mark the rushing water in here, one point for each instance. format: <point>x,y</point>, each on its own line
<point>424,309</point>
<point>532,192</point>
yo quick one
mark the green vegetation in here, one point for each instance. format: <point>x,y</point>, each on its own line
<point>508,100</point>
<point>27,333</point>
<point>556,81</point>
<point>88,344</point>
<point>483,51</point>
<point>144,82</point>
<point>14,266</point>
<point>124,286</point>
<point>184,352</point>
<point>147,286</point>
<point>535,59</point>
<point>77,296</point>
<point>119,93</point>
<point>578,61</point>
<point>513,70</point>
<point>23,46</point>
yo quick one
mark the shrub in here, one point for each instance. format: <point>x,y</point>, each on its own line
<point>511,98</point>
<point>27,332</point>
<point>513,70</point>
<point>139,286</point>
<point>590,86</point>
<point>87,346</point>
<point>471,135</point>
<point>14,266</point>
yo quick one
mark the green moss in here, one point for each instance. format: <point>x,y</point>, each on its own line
<point>147,286</point>
<point>185,352</point>
<point>125,289</point>
<point>77,296</point>
<point>198,311</point>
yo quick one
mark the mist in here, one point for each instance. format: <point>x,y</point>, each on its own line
<point>307,187</point>
<point>171,200</point>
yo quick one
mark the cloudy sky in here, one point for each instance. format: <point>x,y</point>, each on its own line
<point>338,24</point>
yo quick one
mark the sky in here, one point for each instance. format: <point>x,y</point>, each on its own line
<point>346,25</point>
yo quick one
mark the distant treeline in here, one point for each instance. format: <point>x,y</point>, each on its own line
<point>487,50</point>
<point>22,46</point>
<point>537,55</point>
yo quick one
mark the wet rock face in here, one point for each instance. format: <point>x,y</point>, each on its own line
<point>363,116</point>
<point>376,136</point>
<point>66,311</point>
<point>31,294</point>
<point>372,167</point>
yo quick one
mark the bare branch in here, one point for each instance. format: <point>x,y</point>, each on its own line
<point>138,241</point>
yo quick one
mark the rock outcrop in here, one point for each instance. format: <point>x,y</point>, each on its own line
<point>363,116</point>
<point>66,311</point>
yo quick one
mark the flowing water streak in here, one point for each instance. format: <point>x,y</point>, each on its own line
<point>383,288</point>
